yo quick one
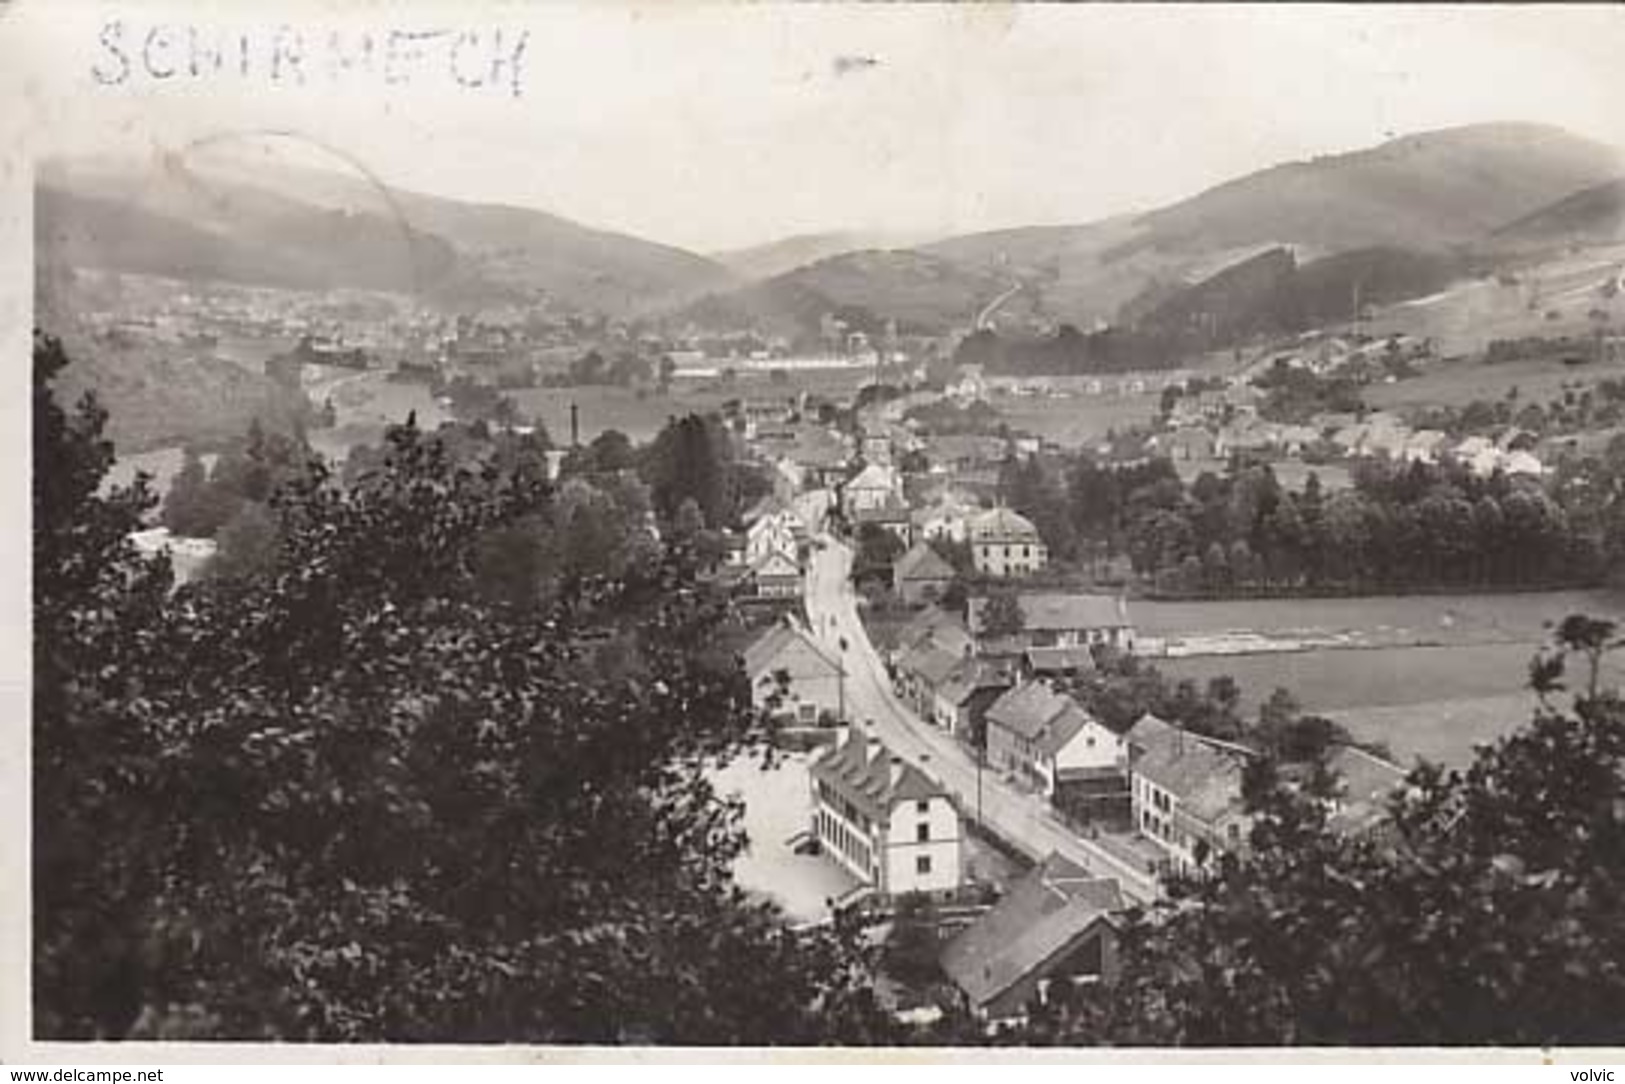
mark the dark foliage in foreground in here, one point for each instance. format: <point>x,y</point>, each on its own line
<point>353,797</point>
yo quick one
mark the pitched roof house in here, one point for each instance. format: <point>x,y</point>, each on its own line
<point>1048,739</point>
<point>1186,792</point>
<point>883,819</point>
<point>1005,543</point>
<point>1055,925</point>
<point>1061,619</point>
<point>813,675</point>
<point>921,574</point>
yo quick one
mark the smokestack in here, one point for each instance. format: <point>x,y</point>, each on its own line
<point>896,776</point>
<point>872,749</point>
<point>575,426</point>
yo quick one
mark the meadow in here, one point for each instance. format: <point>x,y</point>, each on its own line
<point>1453,675</point>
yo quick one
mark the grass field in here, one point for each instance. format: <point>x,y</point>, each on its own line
<point>1458,383</point>
<point>1465,686</point>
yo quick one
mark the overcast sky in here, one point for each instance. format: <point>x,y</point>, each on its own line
<point>714,127</point>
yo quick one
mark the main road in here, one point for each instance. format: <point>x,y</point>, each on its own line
<point>1023,819</point>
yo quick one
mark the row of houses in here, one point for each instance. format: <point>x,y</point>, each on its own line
<point>1379,435</point>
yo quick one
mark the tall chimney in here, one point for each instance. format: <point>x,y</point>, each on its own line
<point>872,750</point>
<point>575,426</point>
<point>896,775</point>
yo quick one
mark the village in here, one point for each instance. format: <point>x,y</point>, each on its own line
<point>936,700</point>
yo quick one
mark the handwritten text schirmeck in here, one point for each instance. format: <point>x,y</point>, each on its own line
<point>484,59</point>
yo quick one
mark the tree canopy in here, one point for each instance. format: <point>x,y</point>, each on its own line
<point>351,796</point>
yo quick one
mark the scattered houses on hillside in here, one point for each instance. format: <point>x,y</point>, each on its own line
<point>1056,926</point>
<point>883,819</point>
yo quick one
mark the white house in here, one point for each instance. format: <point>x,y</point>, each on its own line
<point>948,519</point>
<point>1048,739</point>
<point>779,531</point>
<point>1005,543</point>
<point>813,678</point>
<point>874,487</point>
<point>1185,793</point>
<point>888,823</point>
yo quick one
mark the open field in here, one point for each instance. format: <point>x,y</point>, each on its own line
<point>1456,676</point>
<point>1441,731</point>
<point>1459,383</point>
<point>1443,619</point>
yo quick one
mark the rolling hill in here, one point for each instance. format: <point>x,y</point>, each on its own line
<point>1429,193</point>
<point>758,262</point>
<point>1595,214</point>
<point>925,294</point>
<point>293,226</point>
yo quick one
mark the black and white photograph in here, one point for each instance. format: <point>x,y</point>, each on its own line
<point>966,528</point>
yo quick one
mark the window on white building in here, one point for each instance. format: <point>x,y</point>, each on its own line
<point>922,864</point>
<point>922,833</point>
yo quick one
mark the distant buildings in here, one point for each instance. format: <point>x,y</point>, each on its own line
<point>876,486</point>
<point>1005,544</point>
<point>888,823</point>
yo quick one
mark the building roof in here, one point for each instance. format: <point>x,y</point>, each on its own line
<point>1203,776</point>
<point>775,562</point>
<point>1040,715</point>
<point>1040,916</point>
<point>930,663</point>
<point>893,511</point>
<point>1060,660</point>
<point>1001,525</point>
<point>764,655</point>
<point>969,677</point>
<point>1364,783</point>
<point>939,625</point>
<point>863,769</point>
<point>1060,612</point>
<point>874,476</point>
<point>922,562</point>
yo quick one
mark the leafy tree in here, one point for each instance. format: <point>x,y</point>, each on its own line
<point>190,509</point>
<point>1488,913</point>
<point>913,946</point>
<point>247,543</point>
<point>352,798</point>
<point>1001,616</point>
